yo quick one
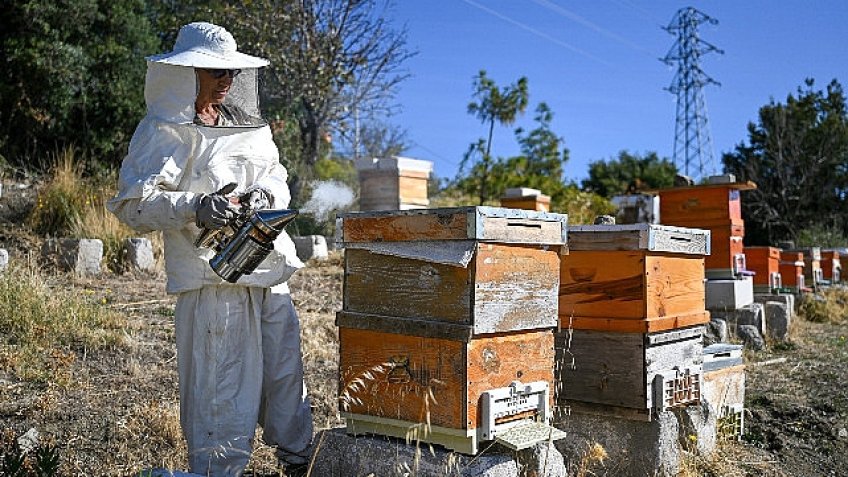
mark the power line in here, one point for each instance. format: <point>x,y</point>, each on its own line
<point>692,141</point>
<point>578,19</point>
<point>537,32</point>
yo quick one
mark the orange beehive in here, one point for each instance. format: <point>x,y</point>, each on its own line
<point>639,278</point>
<point>541,203</point>
<point>715,207</point>
<point>831,266</point>
<point>441,306</point>
<point>765,262</point>
<point>792,270</point>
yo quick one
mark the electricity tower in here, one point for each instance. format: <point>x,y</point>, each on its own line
<point>692,143</point>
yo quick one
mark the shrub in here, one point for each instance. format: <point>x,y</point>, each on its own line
<point>829,306</point>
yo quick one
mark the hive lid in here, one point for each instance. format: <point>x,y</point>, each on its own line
<point>490,224</point>
<point>652,237</point>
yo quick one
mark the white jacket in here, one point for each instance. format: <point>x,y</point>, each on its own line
<point>172,161</point>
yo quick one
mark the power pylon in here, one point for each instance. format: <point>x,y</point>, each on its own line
<point>692,141</point>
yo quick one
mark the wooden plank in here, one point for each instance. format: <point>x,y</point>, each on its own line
<point>649,325</point>
<point>515,288</point>
<point>674,285</point>
<point>493,224</point>
<point>393,286</point>
<point>657,238</point>
<point>609,368</point>
<point>607,284</point>
<point>442,225</point>
<point>495,361</point>
<point>405,326</point>
<point>403,377</point>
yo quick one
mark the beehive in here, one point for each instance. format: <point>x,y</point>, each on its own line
<point>792,270</point>
<point>639,278</point>
<point>831,266</point>
<point>765,263</point>
<point>440,306</point>
<point>629,375</point>
<point>527,199</point>
<point>717,208</point>
<point>393,183</point>
<point>813,273</point>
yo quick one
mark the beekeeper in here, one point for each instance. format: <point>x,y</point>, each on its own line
<point>238,345</point>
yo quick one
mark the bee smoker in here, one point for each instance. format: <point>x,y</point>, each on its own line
<point>241,245</point>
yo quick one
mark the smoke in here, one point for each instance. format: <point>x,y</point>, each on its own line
<point>327,196</point>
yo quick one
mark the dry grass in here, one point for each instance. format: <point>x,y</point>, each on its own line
<point>45,326</point>
<point>827,306</point>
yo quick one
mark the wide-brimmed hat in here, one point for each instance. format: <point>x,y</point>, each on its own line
<point>204,45</point>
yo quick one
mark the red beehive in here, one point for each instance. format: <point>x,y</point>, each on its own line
<point>765,262</point>
<point>831,266</point>
<point>792,270</point>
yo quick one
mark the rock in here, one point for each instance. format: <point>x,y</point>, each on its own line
<point>778,319</point>
<point>843,433</point>
<point>340,455</point>
<point>750,335</point>
<point>715,332</point>
<point>29,440</point>
<point>140,254</point>
<point>81,256</point>
<point>605,220</point>
<point>4,259</point>
<point>311,247</point>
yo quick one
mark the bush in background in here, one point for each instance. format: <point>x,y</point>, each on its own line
<point>828,306</point>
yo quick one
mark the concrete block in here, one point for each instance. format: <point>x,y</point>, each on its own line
<point>752,315</point>
<point>785,298</point>
<point>4,259</point>
<point>80,256</point>
<point>338,454</point>
<point>751,336</point>
<point>697,428</point>
<point>729,294</point>
<point>311,247</point>
<point>778,319</point>
<point>715,332</point>
<point>139,254</point>
<point>634,448</point>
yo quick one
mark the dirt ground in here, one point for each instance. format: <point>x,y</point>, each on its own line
<point>119,415</point>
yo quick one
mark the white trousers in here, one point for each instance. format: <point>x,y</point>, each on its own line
<point>239,359</point>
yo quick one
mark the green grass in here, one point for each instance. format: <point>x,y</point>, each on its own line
<point>44,327</point>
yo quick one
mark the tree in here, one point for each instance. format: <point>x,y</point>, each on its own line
<point>72,76</point>
<point>492,105</point>
<point>798,156</point>
<point>332,62</point>
<point>629,173</point>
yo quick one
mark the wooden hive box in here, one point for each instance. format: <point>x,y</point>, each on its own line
<point>831,266</point>
<point>393,183</point>
<point>703,206</point>
<point>639,278</point>
<point>792,270</point>
<point>717,208</point>
<point>440,306</point>
<point>629,375</point>
<point>813,272</point>
<point>765,262</point>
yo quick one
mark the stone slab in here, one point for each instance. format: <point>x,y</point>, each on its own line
<point>338,454</point>
<point>752,315</point>
<point>785,298</point>
<point>80,256</point>
<point>638,448</point>
<point>4,259</point>
<point>139,254</point>
<point>778,320</point>
<point>311,247</point>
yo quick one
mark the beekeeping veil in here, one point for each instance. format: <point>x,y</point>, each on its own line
<point>171,85</point>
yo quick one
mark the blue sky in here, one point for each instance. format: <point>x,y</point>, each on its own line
<point>596,64</point>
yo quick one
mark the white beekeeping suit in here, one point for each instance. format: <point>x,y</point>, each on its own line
<point>238,345</point>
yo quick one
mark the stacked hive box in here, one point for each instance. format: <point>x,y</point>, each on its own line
<point>441,307</point>
<point>717,208</point>
<point>792,270</point>
<point>393,183</point>
<point>765,263</point>
<point>813,273</point>
<point>831,266</point>
<point>527,199</point>
<point>631,312</point>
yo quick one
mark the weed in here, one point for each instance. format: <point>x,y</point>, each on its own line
<point>16,461</point>
<point>828,306</point>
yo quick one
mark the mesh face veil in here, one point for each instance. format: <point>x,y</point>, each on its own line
<point>240,107</point>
